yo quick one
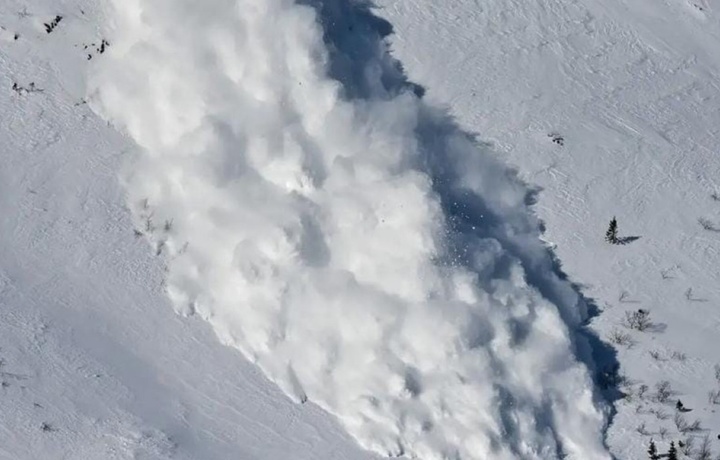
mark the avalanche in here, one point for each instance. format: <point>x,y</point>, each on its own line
<point>352,241</point>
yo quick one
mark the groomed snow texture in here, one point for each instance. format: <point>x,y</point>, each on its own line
<point>367,254</point>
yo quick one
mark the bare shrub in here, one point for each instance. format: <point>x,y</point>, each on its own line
<point>23,90</point>
<point>663,431</point>
<point>717,373</point>
<point>679,356</point>
<point>149,226</point>
<point>687,447</point>
<point>655,354</point>
<point>660,414</point>
<point>618,337</point>
<point>663,391</point>
<point>642,391</point>
<point>47,428</point>
<point>641,429</point>
<point>708,225</point>
<point>680,423</point>
<point>637,319</point>
<point>704,452</point>
<point>714,397</point>
<point>695,426</point>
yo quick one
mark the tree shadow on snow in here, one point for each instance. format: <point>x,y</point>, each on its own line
<point>627,239</point>
<point>361,62</point>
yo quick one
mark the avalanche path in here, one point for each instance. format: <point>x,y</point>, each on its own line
<point>364,251</point>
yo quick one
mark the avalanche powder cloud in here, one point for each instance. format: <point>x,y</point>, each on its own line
<point>305,224</point>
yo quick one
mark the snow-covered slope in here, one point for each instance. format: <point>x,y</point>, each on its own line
<point>94,364</point>
<point>631,88</point>
<point>370,256</point>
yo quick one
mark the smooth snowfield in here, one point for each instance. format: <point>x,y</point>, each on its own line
<point>349,239</point>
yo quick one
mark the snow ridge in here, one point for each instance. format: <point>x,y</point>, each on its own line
<point>316,212</point>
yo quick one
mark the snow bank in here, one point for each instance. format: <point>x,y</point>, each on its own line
<point>302,217</point>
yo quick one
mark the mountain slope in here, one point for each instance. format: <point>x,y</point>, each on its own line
<point>303,194</point>
<point>94,364</point>
<point>630,91</point>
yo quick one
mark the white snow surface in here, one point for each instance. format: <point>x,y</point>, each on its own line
<point>632,87</point>
<point>94,363</point>
<point>309,218</point>
<point>354,241</point>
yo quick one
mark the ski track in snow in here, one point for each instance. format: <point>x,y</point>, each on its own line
<point>352,241</point>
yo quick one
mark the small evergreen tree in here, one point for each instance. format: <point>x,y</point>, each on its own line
<point>652,451</point>
<point>611,236</point>
<point>672,453</point>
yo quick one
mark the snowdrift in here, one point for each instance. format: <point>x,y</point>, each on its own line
<point>367,254</point>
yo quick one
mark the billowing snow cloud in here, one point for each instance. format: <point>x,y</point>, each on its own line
<point>363,251</point>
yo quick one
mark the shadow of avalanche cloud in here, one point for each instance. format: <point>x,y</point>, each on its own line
<point>302,194</point>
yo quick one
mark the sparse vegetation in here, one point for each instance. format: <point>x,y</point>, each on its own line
<point>679,356</point>
<point>618,337</point>
<point>687,447</point>
<point>29,89</point>
<point>714,397</point>
<point>689,295</point>
<point>704,452</point>
<point>667,273</point>
<point>695,426</point>
<point>50,26</point>
<point>663,391</point>
<point>557,139</point>
<point>46,427</point>
<point>708,225</point>
<point>680,422</point>
<point>149,227</point>
<point>638,320</point>
<point>642,429</point>
<point>683,426</point>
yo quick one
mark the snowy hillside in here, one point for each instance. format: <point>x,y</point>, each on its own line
<point>631,88</point>
<point>310,203</point>
<point>94,363</point>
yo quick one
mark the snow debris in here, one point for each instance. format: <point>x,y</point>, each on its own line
<point>308,228</point>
